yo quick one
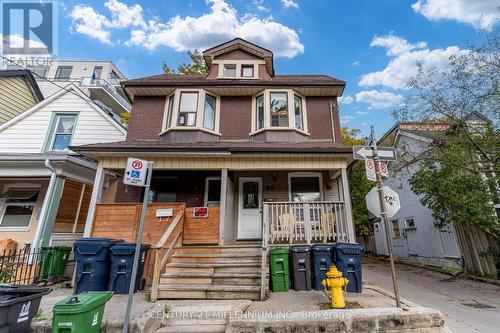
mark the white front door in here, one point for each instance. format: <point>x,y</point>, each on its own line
<point>250,208</point>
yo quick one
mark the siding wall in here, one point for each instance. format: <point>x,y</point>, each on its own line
<point>28,135</point>
<point>16,97</point>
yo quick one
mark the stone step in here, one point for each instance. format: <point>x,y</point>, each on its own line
<point>201,322</point>
<point>192,329</point>
<point>213,281</point>
<point>187,274</point>
<point>229,264</point>
<point>208,292</point>
<point>217,249</point>
<point>217,255</point>
<point>210,260</point>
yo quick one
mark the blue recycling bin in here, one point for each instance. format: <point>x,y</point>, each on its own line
<point>347,257</point>
<point>122,261</point>
<point>322,259</point>
<point>92,256</point>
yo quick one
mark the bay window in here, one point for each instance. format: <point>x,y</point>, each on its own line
<point>191,109</point>
<point>188,107</point>
<point>209,112</point>
<point>298,112</point>
<point>280,109</point>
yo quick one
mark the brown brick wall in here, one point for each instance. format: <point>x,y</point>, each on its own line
<point>146,118</point>
<point>318,118</point>
<point>235,117</point>
<point>126,193</point>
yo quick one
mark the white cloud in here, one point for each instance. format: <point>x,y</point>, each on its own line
<point>17,41</point>
<point>259,4</point>
<point>220,24</point>
<point>404,59</point>
<point>344,120</point>
<point>346,99</point>
<point>290,3</point>
<point>362,112</point>
<point>482,14</point>
<point>355,63</point>
<point>378,99</point>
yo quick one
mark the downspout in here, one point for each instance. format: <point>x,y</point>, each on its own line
<point>45,205</point>
<point>332,121</point>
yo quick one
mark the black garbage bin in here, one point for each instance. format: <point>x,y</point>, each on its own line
<point>18,305</point>
<point>300,257</point>
<point>93,264</point>
<point>347,257</point>
<point>122,261</point>
<point>321,261</point>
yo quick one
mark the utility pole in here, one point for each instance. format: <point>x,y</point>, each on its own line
<point>383,214</point>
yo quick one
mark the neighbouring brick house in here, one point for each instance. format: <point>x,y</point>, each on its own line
<point>262,151</point>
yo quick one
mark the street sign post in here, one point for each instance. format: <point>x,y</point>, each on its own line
<point>373,151</point>
<point>364,152</point>
<point>137,173</point>
<point>370,170</point>
<point>391,199</point>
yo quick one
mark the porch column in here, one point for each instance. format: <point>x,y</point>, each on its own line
<point>223,196</point>
<point>94,199</point>
<point>348,206</point>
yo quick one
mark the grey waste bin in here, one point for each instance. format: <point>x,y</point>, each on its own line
<point>301,267</point>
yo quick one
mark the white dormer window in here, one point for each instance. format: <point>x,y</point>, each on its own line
<point>189,109</point>
<point>279,109</point>
<point>64,127</point>
<point>247,70</point>
<point>238,69</point>
<point>229,70</point>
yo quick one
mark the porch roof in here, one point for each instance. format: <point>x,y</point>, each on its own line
<point>159,146</point>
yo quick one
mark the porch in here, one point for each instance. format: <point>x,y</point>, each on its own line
<point>223,254</point>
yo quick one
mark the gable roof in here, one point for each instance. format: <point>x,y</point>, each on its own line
<point>68,89</point>
<point>28,77</point>
<point>240,44</point>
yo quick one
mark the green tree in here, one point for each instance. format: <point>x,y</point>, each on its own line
<point>359,184</point>
<point>125,117</point>
<point>458,108</point>
<point>196,67</point>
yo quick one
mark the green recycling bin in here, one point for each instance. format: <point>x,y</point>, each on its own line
<point>80,313</point>
<point>54,261</point>
<point>278,258</point>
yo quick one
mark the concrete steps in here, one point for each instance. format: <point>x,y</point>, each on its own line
<point>212,272</point>
<point>193,329</point>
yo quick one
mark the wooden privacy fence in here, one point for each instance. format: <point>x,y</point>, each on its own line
<point>473,242</point>
<point>121,221</point>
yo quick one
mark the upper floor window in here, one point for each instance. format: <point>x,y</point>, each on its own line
<point>63,131</point>
<point>113,75</point>
<point>247,70</point>
<point>97,72</point>
<point>39,71</point>
<point>188,107</point>
<point>279,109</point>
<point>63,73</point>
<point>230,70</point>
<point>191,108</point>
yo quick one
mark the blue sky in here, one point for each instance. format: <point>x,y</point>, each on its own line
<point>373,45</point>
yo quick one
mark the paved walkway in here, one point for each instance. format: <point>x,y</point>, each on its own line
<point>468,306</point>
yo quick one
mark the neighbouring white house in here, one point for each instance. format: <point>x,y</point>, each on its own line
<point>415,236</point>
<point>46,189</point>
<point>99,80</point>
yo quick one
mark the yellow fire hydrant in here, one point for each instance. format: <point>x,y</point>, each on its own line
<point>335,283</point>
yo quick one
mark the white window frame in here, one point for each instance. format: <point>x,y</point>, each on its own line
<point>267,112</point>
<point>407,227</point>
<point>200,112</point>
<point>318,175</point>
<point>58,116</point>
<point>3,204</point>
<point>238,63</point>
<point>205,199</point>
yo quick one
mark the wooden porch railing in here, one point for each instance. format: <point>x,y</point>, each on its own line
<point>163,251</point>
<point>305,222</point>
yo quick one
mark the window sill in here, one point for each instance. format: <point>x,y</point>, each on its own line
<point>278,129</point>
<point>236,78</point>
<point>14,228</point>
<point>189,128</point>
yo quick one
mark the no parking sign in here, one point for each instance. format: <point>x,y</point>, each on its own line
<point>135,172</point>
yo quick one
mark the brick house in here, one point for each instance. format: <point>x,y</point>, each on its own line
<point>262,151</point>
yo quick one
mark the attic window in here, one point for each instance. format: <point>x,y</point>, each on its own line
<point>247,70</point>
<point>229,70</point>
